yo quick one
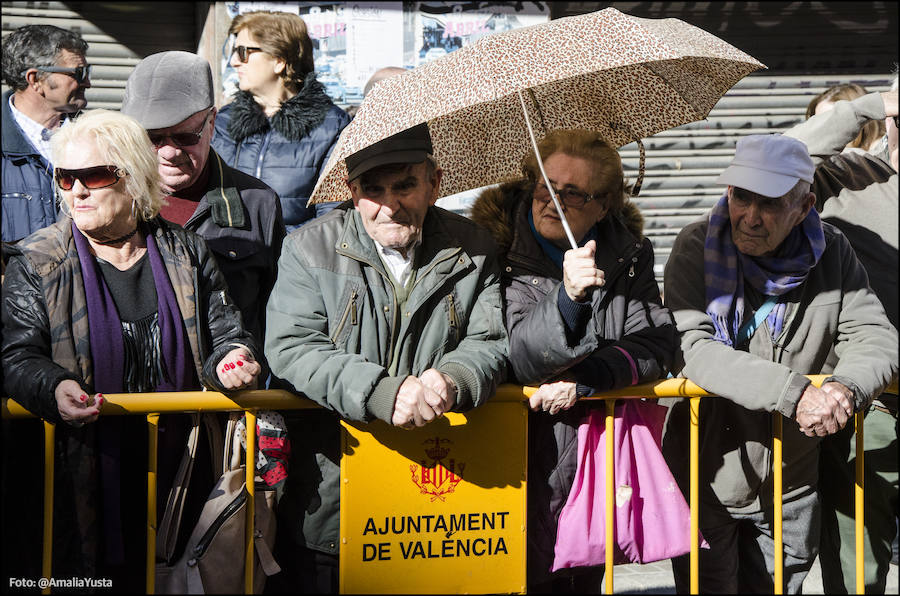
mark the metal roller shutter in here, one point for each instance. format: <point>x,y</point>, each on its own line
<point>119,35</point>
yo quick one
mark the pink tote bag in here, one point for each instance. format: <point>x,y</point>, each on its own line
<point>653,520</point>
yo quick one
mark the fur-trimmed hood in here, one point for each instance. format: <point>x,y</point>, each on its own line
<point>494,209</point>
<point>297,117</point>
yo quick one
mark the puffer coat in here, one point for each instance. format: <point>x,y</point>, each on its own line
<point>46,340</point>
<point>626,314</point>
<point>286,151</point>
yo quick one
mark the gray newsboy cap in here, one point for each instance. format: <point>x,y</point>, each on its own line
<point>407,146</point>
<point>167,88</point>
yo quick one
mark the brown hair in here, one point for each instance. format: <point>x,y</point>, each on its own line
<point>871,131</point>
<point>282,35</point>
<point>607,177</point>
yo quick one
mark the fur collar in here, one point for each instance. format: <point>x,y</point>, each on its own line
<point>297,117</point>
<point>494,209</point>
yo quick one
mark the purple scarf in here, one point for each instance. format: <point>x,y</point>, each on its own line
<point>725,270</point>
<point>108,359</point>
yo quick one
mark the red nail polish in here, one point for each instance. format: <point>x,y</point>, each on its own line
<point>239,363</point>
<point>83,397</point>
<point>100,403</point>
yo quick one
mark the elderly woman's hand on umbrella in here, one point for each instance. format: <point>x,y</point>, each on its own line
<point>580,273</point>
<point>238,369</point>
<point>75,406</point>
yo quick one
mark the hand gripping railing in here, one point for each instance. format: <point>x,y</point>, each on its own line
<point>154,404</point>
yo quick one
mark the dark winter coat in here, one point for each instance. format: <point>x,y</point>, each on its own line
<point>29,199</point>
<point>626,312</point>
<point>46,340</point>
<point>286,151</point>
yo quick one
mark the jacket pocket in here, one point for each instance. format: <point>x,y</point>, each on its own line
<point>349,317</point>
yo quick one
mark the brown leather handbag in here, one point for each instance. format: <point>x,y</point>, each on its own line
<point>213,560</point>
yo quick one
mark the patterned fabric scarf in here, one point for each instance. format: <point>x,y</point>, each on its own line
<point>725,270</point>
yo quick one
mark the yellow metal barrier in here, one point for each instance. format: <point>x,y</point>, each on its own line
<point>153,404</point>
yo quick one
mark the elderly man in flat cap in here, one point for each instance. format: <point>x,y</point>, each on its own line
<point>763,293</point>
<point>385,308</point>
<point>171,95</point>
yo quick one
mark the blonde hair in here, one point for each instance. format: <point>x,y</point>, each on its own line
<point>871,131</point>
<point>607,176</point>
<point>282,35</point>
<point>123,143</point>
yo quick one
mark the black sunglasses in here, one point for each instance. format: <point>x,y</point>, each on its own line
<point>182,139</point>
<point>244,52</point>
<point>82,74</point>
<point>91,178</point>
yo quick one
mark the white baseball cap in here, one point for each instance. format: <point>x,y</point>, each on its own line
<point>768,165</point>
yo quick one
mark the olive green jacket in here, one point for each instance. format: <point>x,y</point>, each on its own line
<point>335,333</point>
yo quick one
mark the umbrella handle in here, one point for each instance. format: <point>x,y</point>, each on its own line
<point>537,154</point>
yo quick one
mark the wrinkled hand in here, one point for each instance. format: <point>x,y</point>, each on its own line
<point>410,406</point>
<point>553,397</point>
<point>442,396</point>
<point>238,369</point>
<point>580,272</point>
<point>75,406</point>
<point>822,412</point>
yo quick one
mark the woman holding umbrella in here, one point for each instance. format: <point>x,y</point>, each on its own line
<point>580,321</point>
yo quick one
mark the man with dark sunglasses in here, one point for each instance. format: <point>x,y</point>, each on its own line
<point>47,72</point>
<point>171,95</point>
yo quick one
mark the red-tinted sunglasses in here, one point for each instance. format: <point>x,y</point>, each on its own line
<point>91,178</point>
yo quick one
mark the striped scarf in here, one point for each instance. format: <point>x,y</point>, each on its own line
<point>725,270</point>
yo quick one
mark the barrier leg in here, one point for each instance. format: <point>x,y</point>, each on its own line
<point>610,493</point>
<point>152,446</point>
<point>250,468</point>
<point>777,503</point>
<point>859,509</point>
<point>49,460</point>
<point>695,495</point>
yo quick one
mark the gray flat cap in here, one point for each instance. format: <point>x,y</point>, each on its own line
<point>166,88</point>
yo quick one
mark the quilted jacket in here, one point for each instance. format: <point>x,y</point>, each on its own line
<point>286,151</point>
<point>29,198</point>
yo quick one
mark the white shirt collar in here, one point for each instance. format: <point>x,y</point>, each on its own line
<point>37,135</point>
<point>398,265</point>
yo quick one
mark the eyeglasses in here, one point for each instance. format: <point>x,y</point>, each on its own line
<point>91,178</point>
<point>570,197</point>
<point>182,139</point>
<point>244,52</point>
<point>81,74</point>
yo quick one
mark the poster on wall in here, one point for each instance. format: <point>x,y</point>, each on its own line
<point>351,40</point>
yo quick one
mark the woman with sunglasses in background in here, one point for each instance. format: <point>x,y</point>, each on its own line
<point>281,125</point>
<point>114,299</point>
<point>580,321</point>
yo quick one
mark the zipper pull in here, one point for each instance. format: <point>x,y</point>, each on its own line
<point>353,320</point>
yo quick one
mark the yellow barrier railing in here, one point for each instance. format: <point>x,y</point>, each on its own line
<point>154,404</point>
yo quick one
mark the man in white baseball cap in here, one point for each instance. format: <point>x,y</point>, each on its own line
<point>763,294</point>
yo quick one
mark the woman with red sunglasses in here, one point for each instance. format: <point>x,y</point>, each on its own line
<point>114,299</point>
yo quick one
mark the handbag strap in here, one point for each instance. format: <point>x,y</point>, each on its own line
<point>167,535</point>
<point>750,327</point>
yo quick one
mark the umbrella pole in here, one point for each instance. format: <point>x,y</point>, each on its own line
<point>537,154</point>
